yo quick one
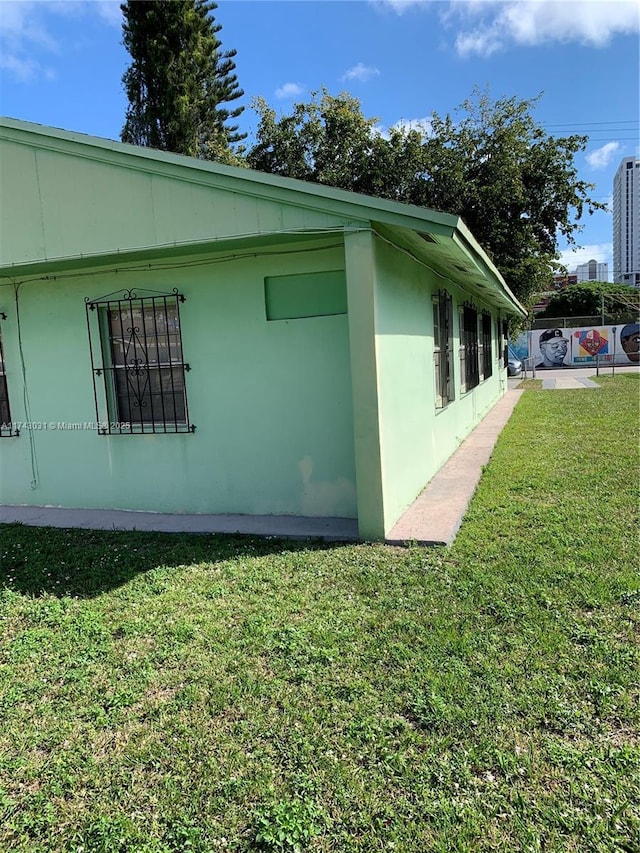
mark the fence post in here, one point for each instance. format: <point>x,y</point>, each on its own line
<point>613,363</point>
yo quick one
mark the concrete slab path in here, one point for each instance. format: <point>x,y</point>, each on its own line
<point>555,383</point>
<point>433,518</point>
<point>285,526</point>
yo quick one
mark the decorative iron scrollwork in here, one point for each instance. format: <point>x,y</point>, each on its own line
<point>139,358</point>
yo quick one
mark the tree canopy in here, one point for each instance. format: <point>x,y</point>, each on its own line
<point>515,186</point>
<point>179,82</point>
<point>329,141</point>
<point>588,298</point>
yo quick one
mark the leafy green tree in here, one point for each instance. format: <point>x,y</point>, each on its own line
<point>329,141</point>
<point>516,187</point>
<point>586,299</point>
<point>179,82</point>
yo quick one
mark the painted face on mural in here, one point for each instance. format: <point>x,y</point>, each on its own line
<point>630,340</point>
<point>553,348</point>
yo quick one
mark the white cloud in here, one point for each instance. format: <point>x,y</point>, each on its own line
<point>360,72</point>
<point>399,6</point>
<point>601,157</point>
<point>487,26</point>
<point>380,130</point>
<point>20,24</point>
<point>22,37</point>
<point>289,90</point>
<point>421,124</point>
<point>22,70</point>
<point>26,41</point>
<point>406,124</point>
<point>109,11</point>
<point>535,22</point>
<point>601,252</point>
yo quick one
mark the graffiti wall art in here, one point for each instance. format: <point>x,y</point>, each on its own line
<point>561,347</point>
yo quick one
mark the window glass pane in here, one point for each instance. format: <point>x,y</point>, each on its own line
<point>438,378</point>
<point>442,330</point>
<point>151,395</point>
<point>5,417</point>
<point>6,428</point>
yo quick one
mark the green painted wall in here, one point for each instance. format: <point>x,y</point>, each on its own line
<point>65,205</point>
<point>319,415</point>
<point>415,438</point>
<point>361,295</point>
<point>271,399</point>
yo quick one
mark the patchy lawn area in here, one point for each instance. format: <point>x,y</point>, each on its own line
<point>206,693</point>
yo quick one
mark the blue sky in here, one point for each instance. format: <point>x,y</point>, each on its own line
<point>61,64</point>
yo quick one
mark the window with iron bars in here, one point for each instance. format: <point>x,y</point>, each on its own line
<point>7,429</point>
<point>137,363</point>
<point>486,359</point>
<point>442,348</point>
<point>469,369</point>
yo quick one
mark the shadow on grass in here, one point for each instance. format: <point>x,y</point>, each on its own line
<point>84,563</point>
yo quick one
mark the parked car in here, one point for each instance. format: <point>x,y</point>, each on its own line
<point>514,365</point>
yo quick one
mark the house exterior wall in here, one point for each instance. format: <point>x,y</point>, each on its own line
<point>66,205</point>
<point>303,404</point>
<point>271,399</point>
<point>415,437</point>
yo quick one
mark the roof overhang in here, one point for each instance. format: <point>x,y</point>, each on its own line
<point>439,240</point>
<point>457,261</point>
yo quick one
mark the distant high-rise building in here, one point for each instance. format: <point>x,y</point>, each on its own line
<point>626,222</point>
<point>592,271</point>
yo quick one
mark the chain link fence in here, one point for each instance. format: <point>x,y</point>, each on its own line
<point>618,319</point>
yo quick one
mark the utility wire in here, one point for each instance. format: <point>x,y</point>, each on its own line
<point>591,123</point>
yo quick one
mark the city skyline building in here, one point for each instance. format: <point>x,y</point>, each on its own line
<point>593,271</point>
<point>626,222</point>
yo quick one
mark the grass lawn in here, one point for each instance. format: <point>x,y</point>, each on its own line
<point>212,693</point>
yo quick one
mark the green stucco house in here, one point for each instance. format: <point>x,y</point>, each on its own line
<point>180,336</point>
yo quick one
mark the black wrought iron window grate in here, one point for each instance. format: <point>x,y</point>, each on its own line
<point>7,428</point>
<point>442,348</point>
<point>487,360</point>
<point>469,346</point>
<point>137,364</point>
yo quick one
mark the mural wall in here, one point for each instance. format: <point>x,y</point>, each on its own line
<point>554,348</point>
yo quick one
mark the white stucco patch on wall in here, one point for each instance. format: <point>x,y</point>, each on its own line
<point>324,498</point>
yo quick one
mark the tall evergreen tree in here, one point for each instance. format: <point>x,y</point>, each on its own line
<point>179,82</point>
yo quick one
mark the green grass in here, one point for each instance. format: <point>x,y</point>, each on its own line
<point>207,693</point>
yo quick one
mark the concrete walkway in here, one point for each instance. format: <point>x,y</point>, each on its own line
<point>433,518</point>
<point>576,377</point>
<point>286,526</point>
<point>554,383</point>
